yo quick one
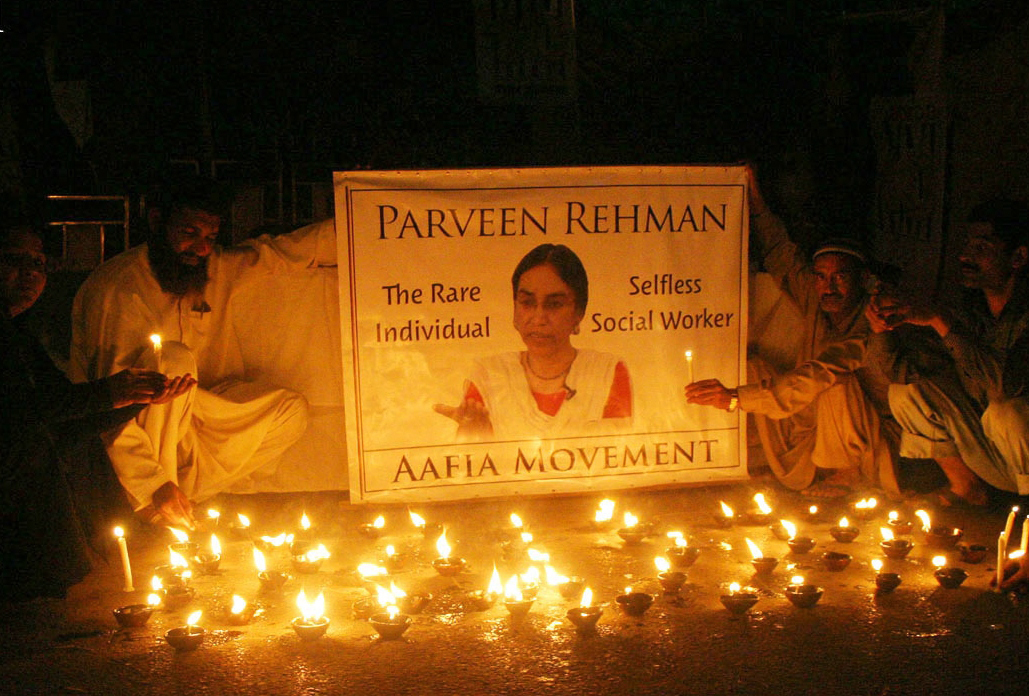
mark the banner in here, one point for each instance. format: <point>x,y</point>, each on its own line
<point>465,380</point>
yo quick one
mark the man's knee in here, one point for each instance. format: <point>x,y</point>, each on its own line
<point>1007,420</point>
<point>293,414</point>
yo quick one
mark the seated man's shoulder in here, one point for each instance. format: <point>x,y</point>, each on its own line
<point>117,273</point>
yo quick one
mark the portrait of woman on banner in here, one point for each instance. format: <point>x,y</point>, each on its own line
<point>551,388</point>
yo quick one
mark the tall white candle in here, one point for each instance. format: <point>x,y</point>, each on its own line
<point>1009,527</point>
<point>124,548</point>
<point>689,365</point>
<point>1002,545</point>
<point>1025,537</point>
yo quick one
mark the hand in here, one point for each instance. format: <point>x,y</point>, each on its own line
<point>174,506</point>
<point>882,314</point>
<point>135,386</point>
<point>175,388</point>
<point>1016,572</point>
<point>471,416</point>
<point>710,392</point>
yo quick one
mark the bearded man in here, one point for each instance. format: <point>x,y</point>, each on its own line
<point>179,286</point>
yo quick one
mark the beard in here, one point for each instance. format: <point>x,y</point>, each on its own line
<point>173,274</point>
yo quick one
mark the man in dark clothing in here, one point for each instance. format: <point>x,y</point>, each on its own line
<point>56,485</point>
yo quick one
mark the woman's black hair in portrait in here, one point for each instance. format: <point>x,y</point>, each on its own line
<point>567,265</point>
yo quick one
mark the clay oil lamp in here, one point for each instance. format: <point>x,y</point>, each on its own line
<point>973,553</point>
<point>241,611</point>
<point>763,565</point>
<point>529,582</point>
<point>604,515</point>
<point>413,603</point>
<point>739,600</point>
<point>182,545</point>
<point>865,508</point>
<point>137,615</point>
<point>761,513</point>
<point>171,597</point>
<point>311,561</point>
<point>446,565</point>
<point>884,582</point>
<point>671,580</point>
<point>892,547</point>
<point>271,581</point>
<point>632,532</point>
<point>943,538</point>
<point>207,562</point>
<point>780,531</point>
<point>241,527</point>
<point>568,587</point>
<point>269,544</point>
<point>844,532</point>
<point>374,529</point>
<point>835,561</point>
<point>188,637</point>
<point>585,616</point>
<point>802,594</point>
<point>393,562</point>
<point>427,529</point>
<point>312,622</point>
<point>515,602</point>
<point>634,603</point>
<point>948,577</point>
<point>725,517</point>
<point>210,522</point>
<point>369,572</point>
<point>176,572</point>
<point>681,554</point>
<point>390,624</point>
<point>899,526</point>
<point>482,600</point>
<point>798,545</point>
<point>364,608</point>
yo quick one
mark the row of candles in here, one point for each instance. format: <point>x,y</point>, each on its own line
<point>171,587</point>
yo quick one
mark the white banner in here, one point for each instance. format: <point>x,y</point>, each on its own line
<point>551,396</point>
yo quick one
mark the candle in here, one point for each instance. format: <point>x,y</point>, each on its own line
<point>123,547</point>
<point>156,340</point>
<point>1009,526</point>
<point>1002,545</point>
<point>1025,536</point>
<point>689,366</point>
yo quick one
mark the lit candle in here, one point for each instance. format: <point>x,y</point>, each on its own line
<point>119,533</point>
<point>1010,525</point>
<point>1025,536</point>
<point>1002,545</point>
<point>156,340</point>
<point>689,365</point>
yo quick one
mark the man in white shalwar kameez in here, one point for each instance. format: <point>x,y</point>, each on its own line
<point>179,286</point>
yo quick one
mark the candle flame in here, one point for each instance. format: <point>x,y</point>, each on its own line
<point>844,522</point>
<point>317,554</point>
<point>156,340</point>
<point>553,577</point>
<point>238,604</point>
<point>791,529</point>
<point>663,566</point>
<point>216,546</point>
<point>516,521</point>
<point>512,590</point>
<point>370,570</point>
<point>887,533</point>
<point>177,560</point>
<point>526,537</point>
<point>530,577</point>
<point>119,532</point>
<point>689,355</point>
<point>866,504</point>
<point>629,519</point>
<point>939,561</point>
<point>305,522</point>
<point>797,580</point>
<point>311,610</point>
<point>153,599</point>
<point>180,536</point>
<point>384,596</point>
<point>213,514</point>
<point>392,610</point>
<point>244,521</point>
<point>155,584</point>
<point>442,546</point>
<point>391,551</point>
<point>380,522</point>
<point>924,516</point>
<point>606,511</point>
<point>538,556</point>
<point>734,588</point>
<point>893,516</point>
<point>754,550</point>
<point>726,510</point>
<point>416,519</point>
<point>877,564</point>
<point>259,561</point>
<point>1016,554</point>
<point>396,591</point>
<point>496,585</point>
<point>587,598</point>
<point>762,504</point>
<point>813,510</point>
<point>277,540</point>
<point>194,617</point>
